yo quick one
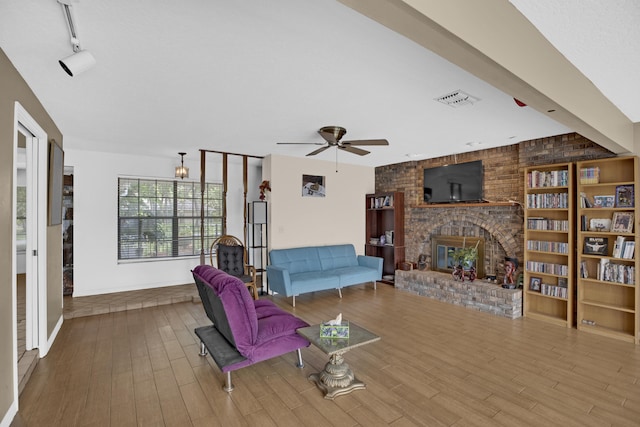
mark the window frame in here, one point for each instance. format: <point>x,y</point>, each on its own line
<point>154,218</point>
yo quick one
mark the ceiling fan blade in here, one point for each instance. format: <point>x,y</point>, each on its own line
<point>353,150</point>
<point>300,143</point>
<point>318,151</point>
<point>367,142</point>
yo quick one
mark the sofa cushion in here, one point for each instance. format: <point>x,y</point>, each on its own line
<point>266,308</point>
<point>296,260</point>
<point>277,325</point>
<point>238,307</point>
<point>314,280</point>
<point>357,274</point>
<point>337,256</point>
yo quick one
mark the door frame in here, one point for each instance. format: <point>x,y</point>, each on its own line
<point>36,292</point>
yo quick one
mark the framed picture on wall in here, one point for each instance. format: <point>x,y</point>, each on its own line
<point>313,186</point>
<point>56,177</point>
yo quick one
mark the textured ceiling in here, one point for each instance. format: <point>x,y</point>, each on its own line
<point>241,76</point>
<point>601,38</point>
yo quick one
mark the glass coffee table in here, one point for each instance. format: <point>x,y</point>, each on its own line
<point>337,378</point>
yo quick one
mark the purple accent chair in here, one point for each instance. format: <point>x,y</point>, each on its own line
<point>244,331</point>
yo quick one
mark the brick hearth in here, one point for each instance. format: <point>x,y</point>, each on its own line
<point>478,295</point>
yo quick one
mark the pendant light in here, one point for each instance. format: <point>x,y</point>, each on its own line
<point>182,172</point>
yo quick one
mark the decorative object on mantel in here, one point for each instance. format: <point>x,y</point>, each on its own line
<point>464,260</point>
<point>510,267</point>
<point>422,262</point>
<point>492,277</point>
<point>264,187</point>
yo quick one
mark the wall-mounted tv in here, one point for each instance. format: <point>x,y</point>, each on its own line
<point>457,183</point>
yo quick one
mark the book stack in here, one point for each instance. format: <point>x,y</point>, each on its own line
<point>618,273</point>
<point>548,201</point>
<point>590,175</point>
<point>623,248</point>
<point>539,179</point>
<point>554,291</point>
<point>540,223</point>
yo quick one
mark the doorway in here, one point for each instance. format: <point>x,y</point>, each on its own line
<point>29,242</point>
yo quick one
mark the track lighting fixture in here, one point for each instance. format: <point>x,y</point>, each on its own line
<point>80,60</point>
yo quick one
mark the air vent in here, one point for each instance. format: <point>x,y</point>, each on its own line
<point>457,99</point>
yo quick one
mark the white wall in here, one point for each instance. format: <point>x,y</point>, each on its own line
<point>96,267</point>
<point>303,221</point>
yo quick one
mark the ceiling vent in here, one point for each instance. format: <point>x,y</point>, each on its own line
<point>457,98</point>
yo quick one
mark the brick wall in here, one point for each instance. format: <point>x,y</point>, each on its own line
<point>504,167</point>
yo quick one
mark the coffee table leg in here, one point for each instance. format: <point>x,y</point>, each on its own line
<point>336,378</point>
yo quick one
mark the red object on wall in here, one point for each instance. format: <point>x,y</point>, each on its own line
<point>520,103</point>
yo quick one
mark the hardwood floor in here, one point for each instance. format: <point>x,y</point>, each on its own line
<point>436,365</point>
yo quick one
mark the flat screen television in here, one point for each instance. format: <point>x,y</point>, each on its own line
<point>457,183</point>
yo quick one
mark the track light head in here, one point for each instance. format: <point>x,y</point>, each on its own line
<point>81,60</point>
<point>77,63</point>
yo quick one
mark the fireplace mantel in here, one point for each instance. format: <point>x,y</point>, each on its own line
<point>463,205</point>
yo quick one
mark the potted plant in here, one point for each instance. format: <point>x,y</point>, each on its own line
<point>464,260</point>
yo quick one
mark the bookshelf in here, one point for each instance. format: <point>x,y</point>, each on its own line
<point>385,217</point>
<point>549,243</point>
<point>607,267</point>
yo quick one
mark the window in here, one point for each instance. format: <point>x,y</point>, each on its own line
<point>161,218</point>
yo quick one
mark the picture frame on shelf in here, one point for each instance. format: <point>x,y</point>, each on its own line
<point>625,196</point>
<point>606,201</point>
<point>595,245</point>
<point>562,282</point>
<point>534,284</point>
<point>622,222</point>
<point>599,224</point>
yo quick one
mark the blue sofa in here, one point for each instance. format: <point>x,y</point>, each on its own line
<point>296,271</point>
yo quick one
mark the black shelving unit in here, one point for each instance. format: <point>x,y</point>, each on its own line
<point>257,241</point>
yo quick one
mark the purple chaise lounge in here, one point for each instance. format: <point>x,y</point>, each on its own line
<point>244,331</point>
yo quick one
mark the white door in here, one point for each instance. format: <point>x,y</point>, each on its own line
<point>36,277</point>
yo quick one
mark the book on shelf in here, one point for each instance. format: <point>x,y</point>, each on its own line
<point>628,249</point>
<point>618,247</point>
<point>584,273</point>
<point>585,202</point>
<point>595,245</point>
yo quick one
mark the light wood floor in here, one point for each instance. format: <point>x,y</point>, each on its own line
<point>436,365</point>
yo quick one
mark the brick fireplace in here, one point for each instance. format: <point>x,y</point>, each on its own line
<point>498,228</point>
<point>498,223</point>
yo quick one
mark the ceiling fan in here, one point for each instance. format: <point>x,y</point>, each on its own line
<point>333,135</point>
